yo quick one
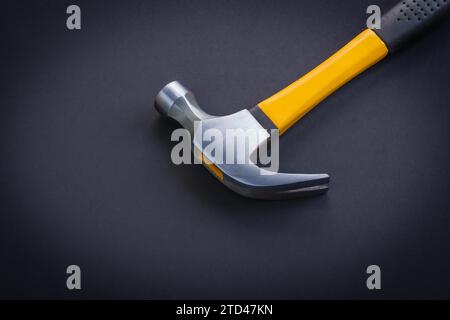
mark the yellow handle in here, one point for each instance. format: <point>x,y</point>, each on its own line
<point>290,104</point>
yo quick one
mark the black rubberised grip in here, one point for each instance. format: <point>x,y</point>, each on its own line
<point>409,19</point>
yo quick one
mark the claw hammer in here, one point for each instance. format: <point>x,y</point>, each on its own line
<point>402,23</point>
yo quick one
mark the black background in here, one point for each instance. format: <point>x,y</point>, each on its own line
<point>86,176</point>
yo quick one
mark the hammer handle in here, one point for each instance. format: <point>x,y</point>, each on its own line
<point>289,105</point>
<point>402,23</point>
<point>408,19</point>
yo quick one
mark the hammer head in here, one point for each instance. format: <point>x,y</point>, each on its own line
<point>244,177</point>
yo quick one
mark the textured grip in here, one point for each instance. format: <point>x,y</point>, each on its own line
<point>408,19</point>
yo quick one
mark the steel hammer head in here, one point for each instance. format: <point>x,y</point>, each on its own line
<point>244,177</point>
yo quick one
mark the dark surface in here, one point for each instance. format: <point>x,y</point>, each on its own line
<point>86,176</point>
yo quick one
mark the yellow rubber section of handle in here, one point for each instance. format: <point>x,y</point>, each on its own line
<point>290,104</point>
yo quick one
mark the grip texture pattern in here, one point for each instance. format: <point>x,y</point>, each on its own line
<point>408,19</point>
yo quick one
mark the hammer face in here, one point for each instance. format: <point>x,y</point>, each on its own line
<point>235,140</point>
